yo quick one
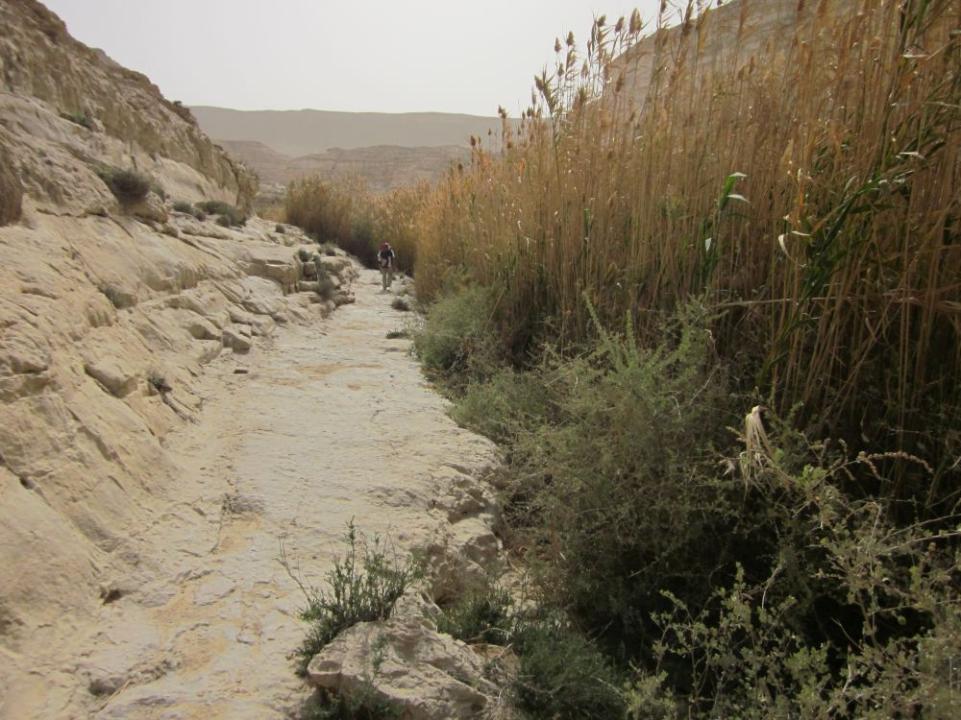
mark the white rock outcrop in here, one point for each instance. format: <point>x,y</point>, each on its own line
<point>405,662</point>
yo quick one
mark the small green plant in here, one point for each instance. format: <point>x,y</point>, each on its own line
<point>304,255</point>
<point>158,382</point>
<point>362,586</point>
<point>480,616</point>
<point>280,229</point>
<point>128,186</point>
<point>400,305</point>
<point>397,334</point>
<point>562,674</point>
<point>79,118</point>
<point>182,206</point>
<point>362,704</point>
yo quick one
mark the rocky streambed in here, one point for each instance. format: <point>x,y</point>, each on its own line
<point>323,423</point>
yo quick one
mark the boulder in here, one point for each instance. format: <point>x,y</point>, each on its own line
<point>274,264</point>
<point>406,662</point>
<point>260,325</point>
<point>113,375</point>
<point>238,338</point>
<point>200,328</point>
<point>343,298</point>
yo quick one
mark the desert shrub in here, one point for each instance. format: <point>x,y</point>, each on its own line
<point>362,587</point>
<point>504,405</point>
<point>228,215</point>
<point>304,255</point>
<point>456,333</point>
<point>735,571</point>
<point>11,190</point>
<point>182,206</point>
<point>128,186</point>
<point>397,334</point>
<point>851,618</point>
<point>216,207</point>
<point>400,305</point>
<point>79,118</point>
<point>278,228</point>
<point>183,111</point>
<point>564,676</point>
<point>363,704</point>
<point>615,472</point>
<point>481,615</point>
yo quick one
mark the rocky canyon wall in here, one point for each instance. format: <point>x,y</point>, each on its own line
<point>108,314</point>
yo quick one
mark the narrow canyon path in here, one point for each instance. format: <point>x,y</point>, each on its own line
<point>323,424</point>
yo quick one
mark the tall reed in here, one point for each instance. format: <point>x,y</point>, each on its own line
<point>807,187</point>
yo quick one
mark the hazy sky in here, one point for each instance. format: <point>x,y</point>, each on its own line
<point>357,55</point>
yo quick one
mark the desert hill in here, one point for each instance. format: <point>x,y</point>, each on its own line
<point>384,167</point>
<point>387,150</point>
<point>306,132</point>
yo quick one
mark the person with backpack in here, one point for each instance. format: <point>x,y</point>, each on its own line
<point>387,259</point>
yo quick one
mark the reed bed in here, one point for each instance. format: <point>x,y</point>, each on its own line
<point>687,226</point>
<point>808,193</point>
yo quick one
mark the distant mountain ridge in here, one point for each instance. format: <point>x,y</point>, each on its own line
<point>384,167</point>
<point>307,132</point>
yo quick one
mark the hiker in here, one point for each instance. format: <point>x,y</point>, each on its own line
<point>387,258</point>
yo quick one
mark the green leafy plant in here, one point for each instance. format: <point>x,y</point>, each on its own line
<point>481,615</point>
<point>563,675</point>
<point>362,586</point>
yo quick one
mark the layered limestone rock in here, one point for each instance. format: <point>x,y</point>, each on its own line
<point>108,314</point>
<point>11,191</point>
<point>39,60</point>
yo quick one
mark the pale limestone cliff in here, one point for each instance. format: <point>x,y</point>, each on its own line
<point>47,70</point>
<point>735,35</point>
<point>108,313</point>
